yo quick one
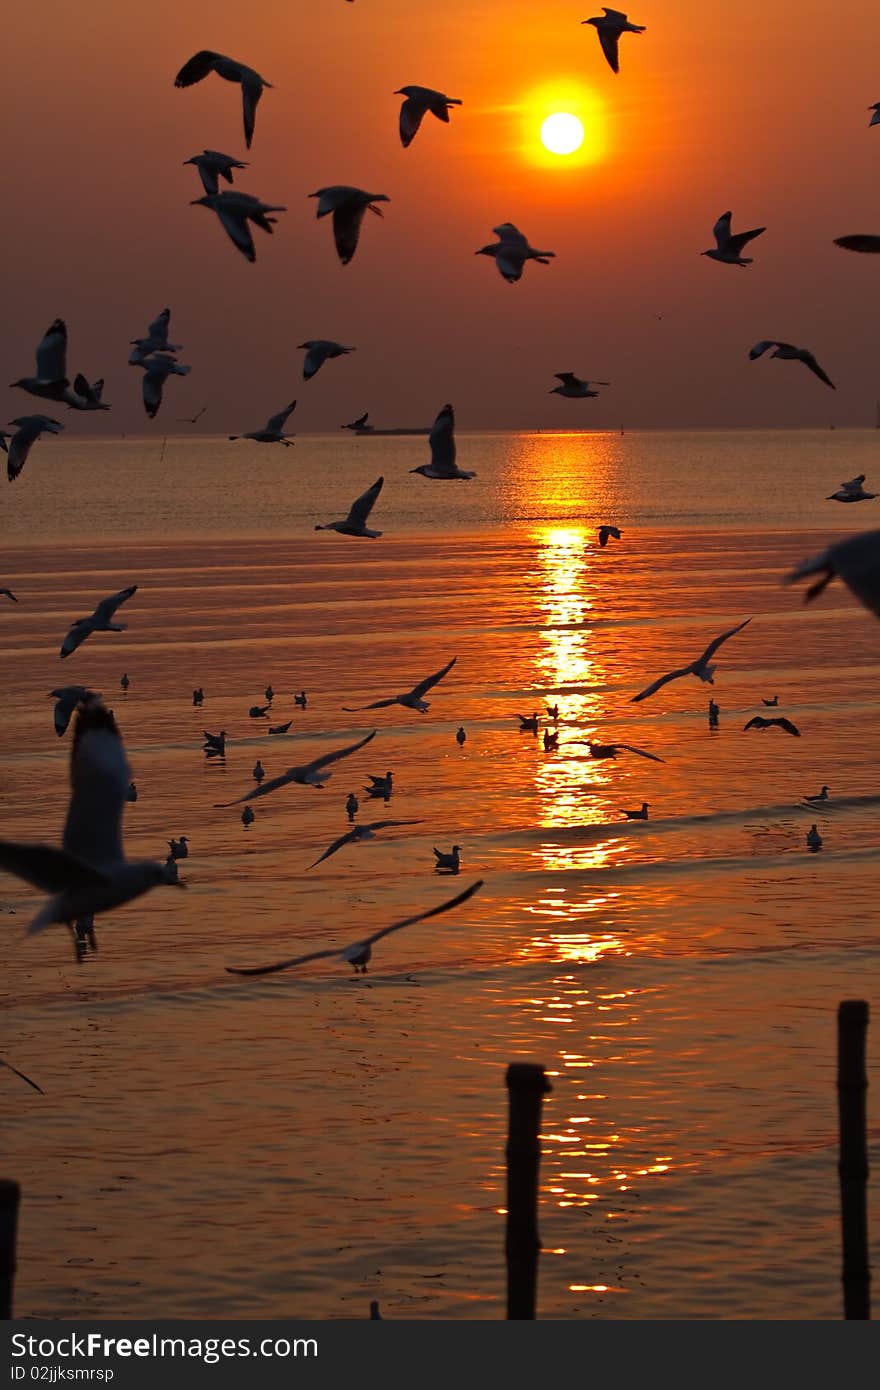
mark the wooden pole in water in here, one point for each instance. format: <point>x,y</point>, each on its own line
<point>9,1195</point>
<point>527,1086</point>
<point>852,1085</point>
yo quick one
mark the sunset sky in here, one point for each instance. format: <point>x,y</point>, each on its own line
<point>762,110</point>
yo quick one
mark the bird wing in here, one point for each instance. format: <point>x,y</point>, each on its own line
<point>424,686</point>
<point>78,633</point>
<point>82,388</point>
<point>152,391</point>
<point>314,360</point>
<point>760,348</point>
<point>377,704</point>
<point>52,352</point>
<point>630,748</point>
<point>757,722</point>
<point>198,66</point>
<point>568,378</point>
<point>100,776</point>
<point>809,361</point>
<point>158,329</point>
<point>251,91</point>
<point>510,260</point>
<point>789,728</point>
<point>47,868</point>
<point>239,233</point>
<point>721,231</point>
<point>857,562</point>
<point>338,753</point>
<point>347,221</point>
<point>19,448</point>
<point>337,844</point>
<point>209,179</point>
<point>366,941</point>
<point>411,113</point>
<point>275,424</point>
<point>608,40</point>
<point>717,641</point>
<point>661,681</point>
<point>859,241</point>
<point>736,243</point>
<point>10,1067</point>
<point>108,606</point>
<point>361,508</point>
<point>442,442</point>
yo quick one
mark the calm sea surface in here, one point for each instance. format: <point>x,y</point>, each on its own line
<point>298,1145</point>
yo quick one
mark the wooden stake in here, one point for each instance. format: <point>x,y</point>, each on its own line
<point>9,1195</point>
<point>852,1085</point>
<point>527,1086</point>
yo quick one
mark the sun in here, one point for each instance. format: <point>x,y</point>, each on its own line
<point>562,133</point>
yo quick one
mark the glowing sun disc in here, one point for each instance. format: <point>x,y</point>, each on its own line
<point>562,133</point>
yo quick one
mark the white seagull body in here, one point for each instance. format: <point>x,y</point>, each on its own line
<point>318,351</point>
<point>273,430</point>
<point>348,206</point>
<point>420,100</point>
<point>609,26</point>
<point>355,524</point>
<point>855,560</point>
<point>30,427</point>
<point>235,211</point>
<point>156,340</point>
<point>311,774</point>
<point>360,832</point>
<point>728,247</point>
<point>89,874</point>
<point>789,353</point>
<point>512,251</point>
<point>157,370</point>
<point>214,165</point>
<point>410,699</point>
<point>442,444</point>
<point>700,668</point>
<point>99,621</point>
<point>360,952</point>
<point>50,381</point>
<point>251,83</point>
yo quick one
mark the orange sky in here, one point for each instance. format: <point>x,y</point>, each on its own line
<point>762,110</point>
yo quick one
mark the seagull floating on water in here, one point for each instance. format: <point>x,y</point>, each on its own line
<point>419,101</point>
<point>214,165</point>
<point>355,524</point>
<point>714,712</point>
<point>699,668</point>
<point>179,848</point>
<point>280,728</point>
<point>729,247</point>
<point>636,815</point>
<point>441,441</point>
<point>789,353</point>
<point>855,560</point>
<point>235,211</point>
<point>759,722</point>
<point>360,832</point>
<point>258,712</point>
<point>273,430</point>
<point>575,387</point>
<point>448,863</point>
<point>348,206</point>
<point>251,83</point>
<point>99,621</point>
<point>258,772</point>
<point>820,796</point>
<point>198,696</point>
<point>460,736</point>
<point>512,251</point>
<point>214,743</point>
<point>89,873</point>
<point>380,786</point>
<point>359,953</point>
<point>551,741</point>
<point>814,839</point>
<point>771,703</point>
<point>311,774</point>
<point>30,427</point>
<point>528,723</point>
<point>352,805</point>
<point>247,817</point>
<point>410,699</point>
<point>609,26</point>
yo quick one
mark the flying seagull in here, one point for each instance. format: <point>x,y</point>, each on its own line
<point>875,119</point>
<point>86,395</point>
<point>30,427</point>
<point>214,165</point>
<point>759,722</point>
<point>790,354</point>
<point>66,698</point>
<point>252,84</point>
<point>50,381</point>
<point>575,387</point>
<point>609,26</point>
<point>273,430</point>
<point>99,621</point>
<point>606,532</point>
<point>729,248</point>
<point>360,832</point>
<point>155,340</point>
<point>157,369</point>
<point>318,351</point>
<point>511,252</point>
<point>699,668</point>
<point>348,206</point>
<point>442,444</point>
<point>89,873</point>
<point>360,952</point>
<point>852,491</point>
<point>410,699</point>
<point>604,751</point>
<point>355,524</point>
<point>420,100</point>
<point>7,593</point>
<point>855,560</point>
<point>311,774</point>
<point>235,211</point>
<point>859,241</point>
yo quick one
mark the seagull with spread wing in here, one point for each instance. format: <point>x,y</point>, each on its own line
<point>157,369</point>
<point>788,353</point>
<point>410,699</point>
<point>859,241</point>
<point>360,832</point>
<point>273,431</point>
<point>511,252</point>
<point>155,340</point>
<point>609,26</point>
<point>419,101</point>
<point>856,561</point>
<point>66,698</point>
<point>575,387</point>
<point>759,722</point>
<point>348,206</point>
<point>318,351</point>
<point>442,444</point>
<point>89,873</point>
<point>355,524</point>
<point>251,83</point>
<point>728,247</point>
<point>213,165</point>
<point>311,774</point>
<point>50,381</point>
<point>29,428</point>
<point>700,668</point>
<point>603,751</point>
<point>359,953</point>
<point>235,211</point>
<point>852,491</point>
<point>99,621</point>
